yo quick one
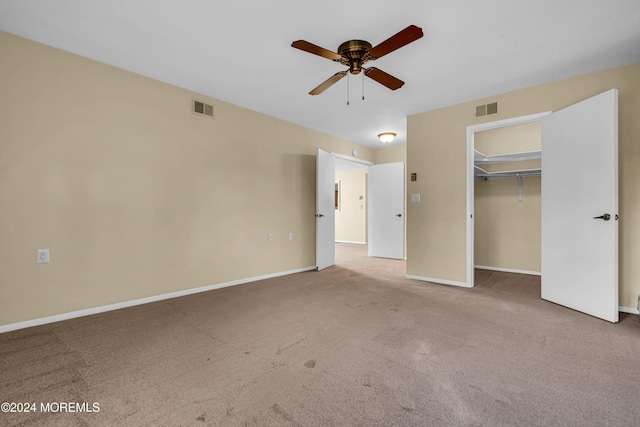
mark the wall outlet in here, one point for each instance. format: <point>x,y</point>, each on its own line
<point>415,198</point>
<point>42,256</point>
<point>270,238</point>
<point>290,237</point>
<point>638,303</point>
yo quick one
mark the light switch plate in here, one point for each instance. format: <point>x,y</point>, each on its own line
<point>42,256</point>
<point>415,198</point>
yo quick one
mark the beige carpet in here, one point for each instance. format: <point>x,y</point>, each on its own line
<point>355,345</point>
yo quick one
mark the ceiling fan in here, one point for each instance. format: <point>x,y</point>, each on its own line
<point>356,53</point>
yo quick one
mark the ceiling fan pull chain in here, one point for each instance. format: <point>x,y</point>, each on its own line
<point>363,86</point>
<point>347,88</point>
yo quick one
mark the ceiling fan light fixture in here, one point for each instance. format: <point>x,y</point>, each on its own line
<point>386,137</point>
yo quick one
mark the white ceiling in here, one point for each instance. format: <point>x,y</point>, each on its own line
<point>240,52</point>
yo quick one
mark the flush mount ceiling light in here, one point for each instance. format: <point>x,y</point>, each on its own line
<point>386,137</point>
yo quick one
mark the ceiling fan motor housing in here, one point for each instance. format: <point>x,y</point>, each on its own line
<point>354,52</point>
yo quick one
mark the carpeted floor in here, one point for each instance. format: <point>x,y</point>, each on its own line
<point>355,345</point>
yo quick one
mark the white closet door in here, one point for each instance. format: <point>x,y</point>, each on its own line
<point>386,210</point>
<point>580,206</point>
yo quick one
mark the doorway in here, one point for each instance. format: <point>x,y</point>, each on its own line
<point>387,230</point>
<point>473,174</point>
<point>579,204</point>
<point>507,196</point>
<point>351,201</point>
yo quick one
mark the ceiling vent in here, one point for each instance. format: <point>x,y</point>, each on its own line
<point>486,109</point>
<point>202,109</point>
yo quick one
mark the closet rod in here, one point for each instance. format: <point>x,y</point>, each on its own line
<point>496,175</point>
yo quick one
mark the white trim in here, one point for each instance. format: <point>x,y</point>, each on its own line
<point>352,159</point>
<point>508,122</point>
<point>509,270</point>
<point>471,130</point>
<point>628,310</point>
<point>438,281</point>
<point>349,241</point>
<point>140,301</point>
<point>470,204</point>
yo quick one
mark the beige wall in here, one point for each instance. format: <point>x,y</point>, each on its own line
<point>351,219</point>
<point>507,232</point>
<point>391,154</point>
<point>509,139</point>
<point>436,233</point>
<point>133,194</point>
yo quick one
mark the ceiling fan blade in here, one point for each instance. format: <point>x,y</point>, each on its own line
<point>328,83</point>
<point>404,37</point>
<point>316,50</point>
<point>383,78</point>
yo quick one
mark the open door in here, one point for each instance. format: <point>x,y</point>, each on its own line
<point>325,210</point>
<point>386,210</point>
<point>580,206</point>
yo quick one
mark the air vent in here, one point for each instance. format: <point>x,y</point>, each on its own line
<point>202,109</point>
<point>486,109</point>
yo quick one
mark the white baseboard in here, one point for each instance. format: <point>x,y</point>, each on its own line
<point>438,281</point>
<point>348,241</point>
<point>628,310</point>
<point>464,285</point>
<point>117,306</point>
<point>508,270</point>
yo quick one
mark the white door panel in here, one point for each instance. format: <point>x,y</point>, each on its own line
<point>386,210</point>
<point>580,182</point>
<point>325,210</point>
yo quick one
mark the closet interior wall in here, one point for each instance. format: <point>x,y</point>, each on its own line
<point>507,207</point>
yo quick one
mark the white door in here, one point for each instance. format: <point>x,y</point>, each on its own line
<point>580,206</point>
<point>386,210</point>
<point>325,210</point>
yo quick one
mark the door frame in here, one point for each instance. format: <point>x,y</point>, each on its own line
<point>352,159</point>
<point>369,163</point>
<point>471,130</point>
<point>333,230</point>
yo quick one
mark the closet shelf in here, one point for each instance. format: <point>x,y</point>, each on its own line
<point>482,159</point>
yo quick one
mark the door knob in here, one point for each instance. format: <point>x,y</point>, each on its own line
<point>398,215</point>
<point>606,217</point>
<point>319,216</point>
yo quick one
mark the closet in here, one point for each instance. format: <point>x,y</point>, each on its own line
<point>507,224</point>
